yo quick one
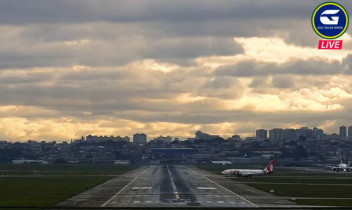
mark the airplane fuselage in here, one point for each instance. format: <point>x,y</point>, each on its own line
<point>250,172</point>
<point>243,172</point>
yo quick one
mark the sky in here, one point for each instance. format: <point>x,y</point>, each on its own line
<point>71,68</point>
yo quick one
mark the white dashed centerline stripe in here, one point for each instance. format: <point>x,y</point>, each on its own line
<point>173,184</point>
<point>224,188</point>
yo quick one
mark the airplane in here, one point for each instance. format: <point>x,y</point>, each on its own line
<point>250,172</point>
<point>341,167</point>
<point>221,162</point>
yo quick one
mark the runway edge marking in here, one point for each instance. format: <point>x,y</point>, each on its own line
<point>224,188</point>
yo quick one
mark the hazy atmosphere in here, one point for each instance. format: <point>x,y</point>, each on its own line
<point>73,68</point>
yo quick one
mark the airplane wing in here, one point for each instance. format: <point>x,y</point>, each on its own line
<point>330,167</point>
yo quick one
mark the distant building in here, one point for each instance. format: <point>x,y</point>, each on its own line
<point>235,138</point>
<point>251,139</point>
<point>290,135</point>
<point>165,139</point>
<point>261,134</point>
<point>205,136</point>
<point>350,132</point>
<point>318,134</point>
<point>304,132</point>
<point>126,138</point>
<point>91,138</point>
<point>139,138</point>
<point>22,161</point>
<point>333,137</point>
<point>343,132</point>
<point>121,162</point>
<point>276,135</point>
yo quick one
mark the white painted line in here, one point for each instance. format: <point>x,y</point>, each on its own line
<point>148,201</point>
<point>220,201</point>
<point>113,197</point>
<point>225,188</point>
<point>206,188</point>
<point>136,201</point>
<point>141,188</point>
<point>173,184</point>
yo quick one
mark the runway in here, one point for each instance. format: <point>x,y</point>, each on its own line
<point>173,186</point>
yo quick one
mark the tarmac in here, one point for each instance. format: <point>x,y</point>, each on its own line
<point>174,186</point>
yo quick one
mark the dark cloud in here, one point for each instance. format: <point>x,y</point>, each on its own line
<point>33,11</point>
<point>296,67</point>
<point>283,81</point>
<point>43,43</point>
<point>193,47</point>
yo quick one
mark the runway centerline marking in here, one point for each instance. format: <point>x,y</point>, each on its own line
<point>225,188</point>
<point>173,184</point>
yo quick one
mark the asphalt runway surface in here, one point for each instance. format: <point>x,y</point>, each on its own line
<point>174,186</point>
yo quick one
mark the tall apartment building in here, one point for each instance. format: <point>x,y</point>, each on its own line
<point>350,132</point>
<point>343,132</point>
<point>139,138</point>
<point>261,134</point>
<point>276,135</point>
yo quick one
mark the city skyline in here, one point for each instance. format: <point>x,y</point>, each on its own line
<point>344,132</point>
<point>167,68</point>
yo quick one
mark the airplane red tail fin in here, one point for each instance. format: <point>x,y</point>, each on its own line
<point>270,167</point>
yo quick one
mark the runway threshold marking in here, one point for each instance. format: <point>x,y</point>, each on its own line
<point>225,188</point>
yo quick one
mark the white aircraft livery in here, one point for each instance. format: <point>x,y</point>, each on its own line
<point>342,167</point>
<point>250,172</point>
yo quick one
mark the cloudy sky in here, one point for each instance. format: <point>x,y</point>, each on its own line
<point>72,68</point>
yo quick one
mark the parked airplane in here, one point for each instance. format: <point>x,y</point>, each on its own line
<point>250,172</point>
<point>221,162</point>
<point>342,167</point>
